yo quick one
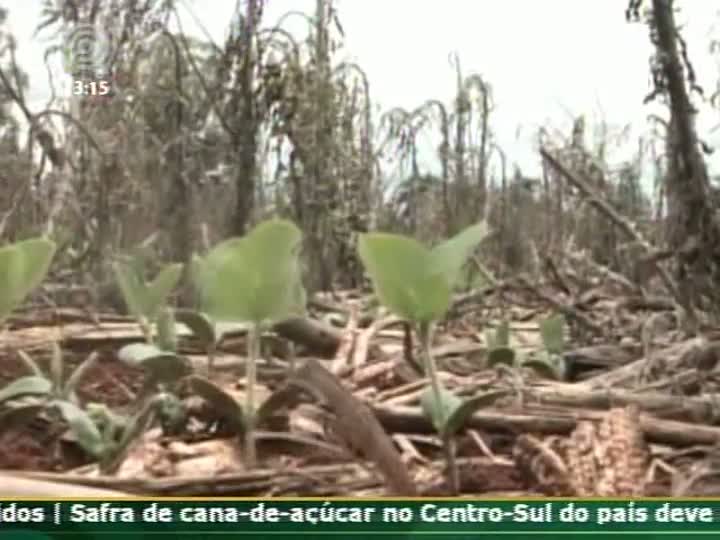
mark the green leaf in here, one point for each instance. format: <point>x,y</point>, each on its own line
<point>501,355</point>
<point>163,365</point>
<point>132,288</point>
<point>82,427</point>
<point>26,386</point>
<point>500,337</point>
<point>200,324</point>
<point>37,254</point>
<point>159,289</point>
<point>400,269</point>
<point>10,278</point>
<point>552,332</point>
<point>450,256</point>
<point>439,412</point>
<point>23,266</point>
<point>460,415</point>
<point>255,278</point>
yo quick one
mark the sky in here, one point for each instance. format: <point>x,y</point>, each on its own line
<point>545,60</point>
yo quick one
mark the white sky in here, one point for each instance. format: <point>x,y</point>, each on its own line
<point>545,60</point>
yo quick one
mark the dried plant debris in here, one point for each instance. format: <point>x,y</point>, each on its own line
<point>698,477</point>
<point>608,459</point>
<point>542,462</point>
<point>622,455</point>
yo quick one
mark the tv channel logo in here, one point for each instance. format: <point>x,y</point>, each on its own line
<point>87,50</point>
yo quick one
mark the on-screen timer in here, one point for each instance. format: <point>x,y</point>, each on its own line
<point>95,88</point>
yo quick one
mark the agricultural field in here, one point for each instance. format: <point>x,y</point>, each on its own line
<point>226,271</point>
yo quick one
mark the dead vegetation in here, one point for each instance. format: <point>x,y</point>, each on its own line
<point>622,402</point>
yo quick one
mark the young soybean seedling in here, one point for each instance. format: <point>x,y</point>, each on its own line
<point>551,363</point>
<point>145,300</point>
<point>416,283</point>
<point>255,279</point>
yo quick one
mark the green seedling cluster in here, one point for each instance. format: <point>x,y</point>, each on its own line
<point>255,280</point>
<point>38,392</point>
<point>498,343</point>
<point>164,369</point>
<point>548,363</point>
<point>252,279</point>
<point>53,395</point>
<point>416,283</point>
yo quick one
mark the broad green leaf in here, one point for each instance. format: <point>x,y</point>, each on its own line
<point>10,277</point>
<point>552,332</point>
<point>26,386</point>
<point>200,324</point>
<point>159,289</point>
<point>460,416</point>
<point>10,264</point>
<point>163,365</point>
<point>450,256</point>
<point>23,266</point>
<point>204,270</point>
<point>37,254</point>
<point>254,278</point>
<point>82,427</point>
<point>132,288</point>
<point>439,412</point>
<point>501,355</point>
<point>400,270</point>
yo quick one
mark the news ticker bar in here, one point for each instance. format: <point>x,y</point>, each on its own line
<point>387,517</point>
